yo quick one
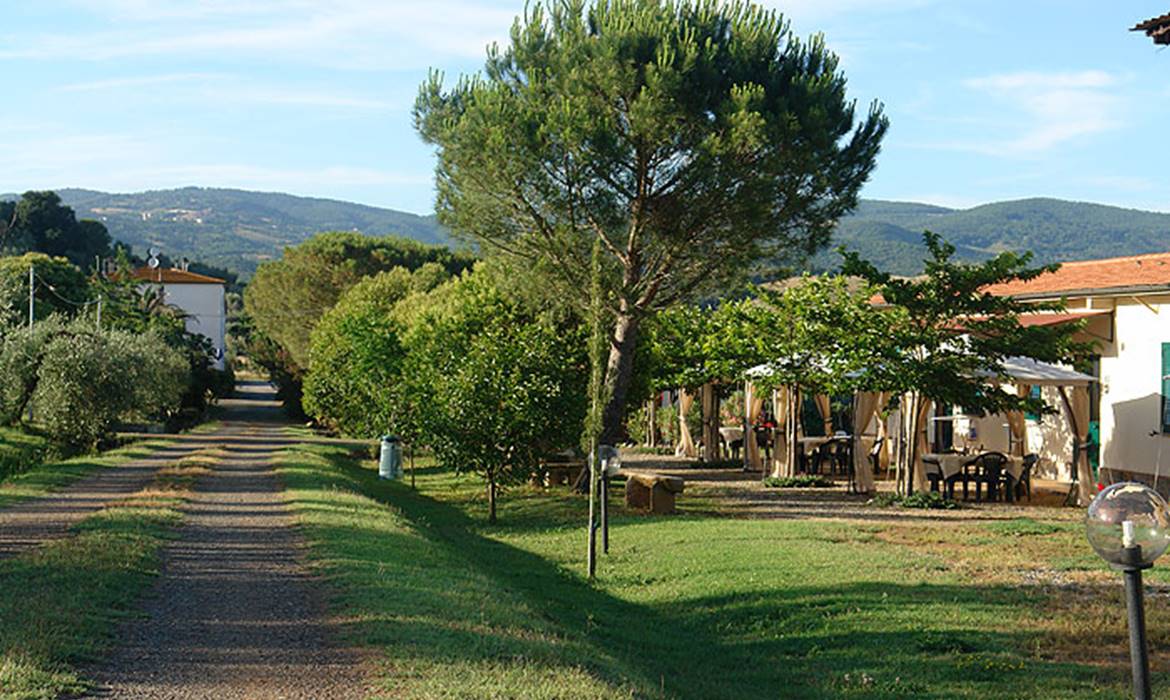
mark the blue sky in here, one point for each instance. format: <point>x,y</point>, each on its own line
<point>988,100</point>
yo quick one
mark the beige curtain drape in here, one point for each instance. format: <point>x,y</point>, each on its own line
<point>825,408</point>
<point>753,404</point>
<point>709,405</point>
<point>865,405</point>
<point>914,415</point>
<point>1079,403</point>
<point>1018,424</point>
<point>923,445</point>
<point>686,444</point>
<point>886,448</point>
<point>780,433</point>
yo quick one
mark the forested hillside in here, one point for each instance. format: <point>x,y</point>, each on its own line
<point>236,229</point>
<point>889,233</point>
<point>239,229</point>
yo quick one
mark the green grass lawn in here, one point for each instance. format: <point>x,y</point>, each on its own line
<point>703,606</point>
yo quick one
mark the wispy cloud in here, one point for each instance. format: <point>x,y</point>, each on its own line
<point>360,34</point>
<point>135,82</point>
<point>225,89</point>
<point>1051,109</point>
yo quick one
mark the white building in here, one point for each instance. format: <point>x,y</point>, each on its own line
<point>200,297</point>
<point>1125,305</point>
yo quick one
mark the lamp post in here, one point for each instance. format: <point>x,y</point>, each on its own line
<point>1128,524</point>
<point>611,463</point>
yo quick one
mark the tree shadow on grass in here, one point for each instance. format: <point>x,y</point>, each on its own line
<point>862,639</point>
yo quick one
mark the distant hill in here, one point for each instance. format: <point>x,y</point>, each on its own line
<point>890,233</point>
<point>239,229</point>
<point>236,229</point>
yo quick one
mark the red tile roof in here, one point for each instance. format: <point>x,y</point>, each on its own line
<point>173,276</point>
<point>1137,272</point>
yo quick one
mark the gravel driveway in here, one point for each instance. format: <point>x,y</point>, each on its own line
<point>39,520</point>
<point>236,613</point>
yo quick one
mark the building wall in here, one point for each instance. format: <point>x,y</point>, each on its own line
<point>205,309</point>
<point>1131,389</point>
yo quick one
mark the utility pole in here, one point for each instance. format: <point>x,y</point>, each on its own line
<point>99,312</point>
<point>31,282</point>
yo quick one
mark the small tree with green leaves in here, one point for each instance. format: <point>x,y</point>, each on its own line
<point>948,338</point>
<point>498,388</point>
<point>355,383</point>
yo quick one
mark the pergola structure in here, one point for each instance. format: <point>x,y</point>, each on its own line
<point>1023,372</point>
<point>1157,29</point>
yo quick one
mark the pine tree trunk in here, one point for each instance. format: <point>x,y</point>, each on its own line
<point>618,373</point>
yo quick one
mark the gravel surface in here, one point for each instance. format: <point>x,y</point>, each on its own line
<point>33,522</point>
<point>235,614</point>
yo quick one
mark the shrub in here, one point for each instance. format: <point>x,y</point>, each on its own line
<point>924,500</point>
<point>803,481</point>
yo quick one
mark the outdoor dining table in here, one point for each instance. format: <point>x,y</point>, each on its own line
<point>810,444</point>
<point>950,464</point>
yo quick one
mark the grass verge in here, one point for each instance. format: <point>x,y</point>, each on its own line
<point>45,478</point>
<point>693,606</point>
<point>61,602</point>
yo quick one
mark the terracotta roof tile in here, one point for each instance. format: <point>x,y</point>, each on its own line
<point>173,276</point>
<point>1083,276</point>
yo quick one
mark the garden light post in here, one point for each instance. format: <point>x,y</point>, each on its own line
<point>1128,524</point>
<point>611,462</point>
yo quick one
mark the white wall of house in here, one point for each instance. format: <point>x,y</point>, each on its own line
<point>205,309</point>
<point>1131,388</point>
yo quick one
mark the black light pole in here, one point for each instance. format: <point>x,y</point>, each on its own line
<point>1139,653</point>
<point>1128,524</point>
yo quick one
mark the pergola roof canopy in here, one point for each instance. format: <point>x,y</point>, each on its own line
<point>1025,370</point>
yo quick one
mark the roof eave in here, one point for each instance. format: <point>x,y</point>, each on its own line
<point>1093,292</point>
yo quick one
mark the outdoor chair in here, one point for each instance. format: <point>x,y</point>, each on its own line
<point>822,457</point>
<point>875,455</point>
<point>987,468</point>
<point>843,457</point>
<point>1024,484</point>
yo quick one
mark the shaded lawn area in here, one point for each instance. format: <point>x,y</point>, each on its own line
<point>60,603</point>
<point>700,606</point>
<point>20,450</point>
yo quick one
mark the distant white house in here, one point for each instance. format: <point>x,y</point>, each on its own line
<point>200,297</point>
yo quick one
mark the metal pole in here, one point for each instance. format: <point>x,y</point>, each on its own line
<point>1138,650</point>
<point>31,283</point>
<point>605,514</point>
<point>592,552</point>
<point>99,312</point>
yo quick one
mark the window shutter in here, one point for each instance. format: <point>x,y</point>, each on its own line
<point>1165,376</point>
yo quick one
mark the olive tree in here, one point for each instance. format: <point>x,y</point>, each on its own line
<point>697,141</point>
<point>81,381</point>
